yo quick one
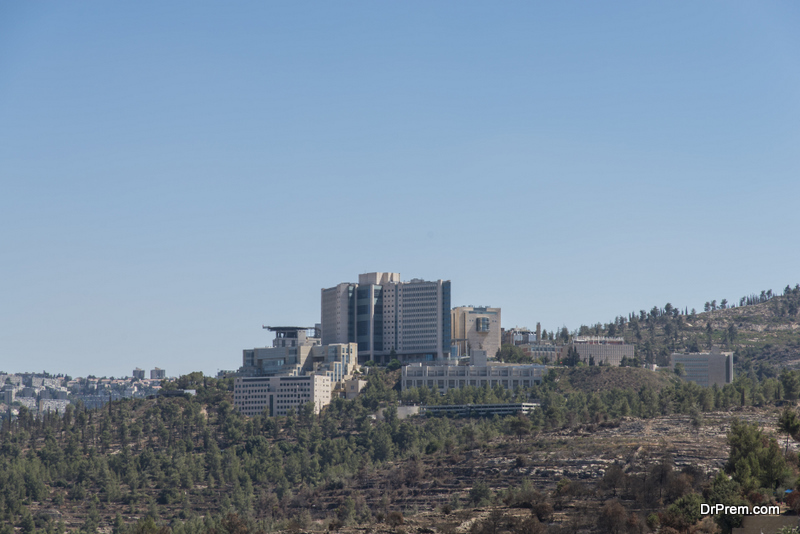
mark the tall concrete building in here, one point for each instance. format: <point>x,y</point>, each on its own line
<point>389,318</point>
<point>476,328</point>
<point>158,374</point>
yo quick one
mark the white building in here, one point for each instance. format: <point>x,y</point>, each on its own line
<point>275,395</point>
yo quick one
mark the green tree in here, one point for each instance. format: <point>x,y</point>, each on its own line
<point>480,493</point>
<point>789,424</point>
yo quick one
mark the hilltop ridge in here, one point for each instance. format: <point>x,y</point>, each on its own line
<point>763,331</point>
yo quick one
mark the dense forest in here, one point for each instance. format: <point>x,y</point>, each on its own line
<point>194,464</point>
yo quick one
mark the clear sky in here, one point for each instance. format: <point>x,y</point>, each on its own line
<point>174,175</point>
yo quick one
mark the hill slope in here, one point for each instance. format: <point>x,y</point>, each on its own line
<point>764,333</point>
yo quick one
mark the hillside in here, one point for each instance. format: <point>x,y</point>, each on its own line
<point>764,331</point>
<point>601,379</point>
<point>194,465</point>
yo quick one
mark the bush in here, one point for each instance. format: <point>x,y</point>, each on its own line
<point>480,493</point>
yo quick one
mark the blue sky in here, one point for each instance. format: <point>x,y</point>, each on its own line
<point>174,175</point>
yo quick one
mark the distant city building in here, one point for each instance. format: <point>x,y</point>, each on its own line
<point>388,318</point>
<point>543,352</point>
<point>158,374</point>
<point>30,403</point>
<point>14,380</point>
<point>53,405</point>
<point>276,395</point>
<point>444,377</point>
<point>705,368</point>
<point>605,350</point>
<point>138,373</point>
<point>475,328</point>
<point>519,336</point>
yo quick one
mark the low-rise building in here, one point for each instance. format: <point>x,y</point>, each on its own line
<point>544,352</point>
<point>482,410</point>
<point>353,387</point>
<point>705,368</point>
<point>444,377</point>
<point>601,350</point>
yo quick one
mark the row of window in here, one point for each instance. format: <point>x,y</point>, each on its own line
<point>456,371</point>
<point>451,384</point>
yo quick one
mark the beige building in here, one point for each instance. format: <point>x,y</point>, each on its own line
<point>353,387</point>
<point>276,395</point>
<point>476,328</point>
<point>605,350</point>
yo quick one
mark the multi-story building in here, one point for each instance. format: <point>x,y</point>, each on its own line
<point>475,328</point>
<point>705,368</point>
<point>444,377</point>
<point>519,336</point>
<point>296,351</point>
<point>388,318</point>
<point>288,355</point>
<point>53,405</point>
<point>602,350</point>
<point>158,374</point>
<point>276,395</point>
<point>138,373</point>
